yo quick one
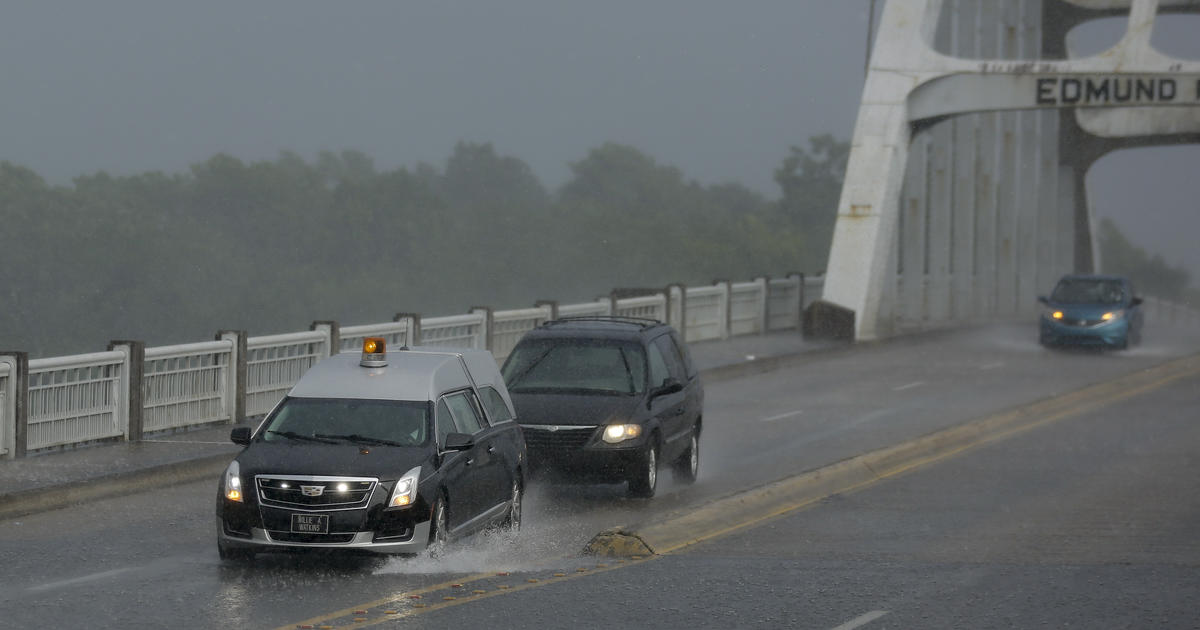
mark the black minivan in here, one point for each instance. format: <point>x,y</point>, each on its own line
<point>607,399</point>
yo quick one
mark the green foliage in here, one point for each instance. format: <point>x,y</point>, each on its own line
<point>271,246</point>
<point>1150,275</point>
<point>812,184</point>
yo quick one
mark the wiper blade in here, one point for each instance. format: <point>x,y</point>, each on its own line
<point>299,436</point>
<point>362,439</point>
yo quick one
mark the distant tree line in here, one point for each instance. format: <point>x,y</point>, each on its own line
<point>1150,274</point>
<point>270,246</point>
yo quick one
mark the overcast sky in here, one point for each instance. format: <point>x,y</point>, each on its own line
<point>718,88</point>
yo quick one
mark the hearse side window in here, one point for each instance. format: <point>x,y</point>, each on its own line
<point>445,422</point>
<point>466,416</point>
<point>495,405</point>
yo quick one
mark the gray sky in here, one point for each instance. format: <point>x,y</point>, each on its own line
<point>717,88</point>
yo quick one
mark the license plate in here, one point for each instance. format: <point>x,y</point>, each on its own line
<point>310,523</point>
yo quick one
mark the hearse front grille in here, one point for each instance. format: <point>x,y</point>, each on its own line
<point>334,493</point>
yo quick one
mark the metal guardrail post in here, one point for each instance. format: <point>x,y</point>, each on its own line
<point>335,336</point>
<point>414,326</point>
<point>133,408</point>
<point>17,398</point>
<point>235,384</point>
<point>486,311</point>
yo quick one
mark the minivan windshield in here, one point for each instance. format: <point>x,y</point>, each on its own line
<point>1088,291</point>
<point>361,421</point>
<point>576,366</point>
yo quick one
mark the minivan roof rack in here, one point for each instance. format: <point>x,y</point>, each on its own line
<point>643,322</point>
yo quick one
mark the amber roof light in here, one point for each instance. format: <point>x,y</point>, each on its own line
<point>374,352</point>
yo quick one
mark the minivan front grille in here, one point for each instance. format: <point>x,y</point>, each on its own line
<point>546,437</point>
<point>333,493</point>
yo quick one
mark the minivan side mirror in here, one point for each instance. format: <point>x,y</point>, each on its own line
<point>458,442</point>
<point>240,435</point>
<point>669,386</point>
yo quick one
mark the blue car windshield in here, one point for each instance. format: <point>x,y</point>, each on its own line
<point>576,366</point>
<point>1088,291</point>
<point>335,420</point>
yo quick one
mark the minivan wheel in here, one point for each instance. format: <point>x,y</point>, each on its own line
<point>688,465</point>
<point>645,475</point>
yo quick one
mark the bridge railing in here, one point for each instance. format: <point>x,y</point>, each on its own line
<point>131,390</point>
<point>398,333</point>
<point>188,384</point>
<point>274,363</point>
<point>74,399</point>
<point>1162,312</point>
<point>509,326</point>
<point>7,393</point>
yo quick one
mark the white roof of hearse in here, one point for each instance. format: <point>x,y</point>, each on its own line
<point>413,374</point>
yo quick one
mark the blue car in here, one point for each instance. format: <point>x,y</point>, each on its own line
<point>1091,310</point>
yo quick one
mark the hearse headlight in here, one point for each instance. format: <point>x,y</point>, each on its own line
<point>405,492</point>
<point>615,433</point>
<point>233,482</point>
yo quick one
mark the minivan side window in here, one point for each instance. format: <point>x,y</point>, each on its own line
<point>685,354</point>
<point>671,353</point>
<point>658,365</point>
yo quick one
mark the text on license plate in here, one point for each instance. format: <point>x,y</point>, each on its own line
<point>310,523</point>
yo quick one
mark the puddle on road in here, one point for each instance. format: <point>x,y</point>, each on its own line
<point>549,531</point>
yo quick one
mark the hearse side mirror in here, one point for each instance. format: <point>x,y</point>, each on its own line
<point>240,435</point>
<point>458,442</point>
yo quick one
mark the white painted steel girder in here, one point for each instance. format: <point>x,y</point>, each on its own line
<point>909,82</point>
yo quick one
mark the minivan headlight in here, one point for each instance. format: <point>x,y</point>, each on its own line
<point>615,433</point>
<point>404,493</point>
<point>233,482</point>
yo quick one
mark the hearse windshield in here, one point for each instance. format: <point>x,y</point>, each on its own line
<point>355,420</point>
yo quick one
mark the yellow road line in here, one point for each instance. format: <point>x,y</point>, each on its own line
<point>991,429</point>
<point>557,579</point>
<point>345,612</point>
<point>1086,404</point>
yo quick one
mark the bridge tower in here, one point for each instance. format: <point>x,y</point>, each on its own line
<point>964,193</point>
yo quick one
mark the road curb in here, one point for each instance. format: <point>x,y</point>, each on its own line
<point>54,497</point>
<point>742,510</point>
